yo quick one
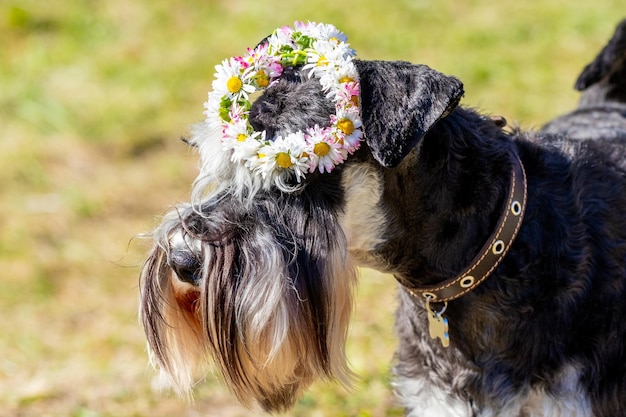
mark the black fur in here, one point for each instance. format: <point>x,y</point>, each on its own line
<point>559,297</point>
<point>552,316</point>
<point>280,108</point>
<point>603,104</point>
<point>401,102</point>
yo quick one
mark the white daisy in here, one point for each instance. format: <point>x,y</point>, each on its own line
<point>243,142</point>
<point>212,111</point>
<point>337,52</point>
<point>331,33</point>
<point>232,80</point>
<point>324,51</point>
<point>307,28</point>
<point>261,60</point>
<point>280,37</point>
<point>324,150</point>
<point>348,125</point>
<point>332,81</point>
<point>284,154</point>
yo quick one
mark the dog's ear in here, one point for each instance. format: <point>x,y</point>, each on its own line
<point>400,103</point>
<point>609,61</point>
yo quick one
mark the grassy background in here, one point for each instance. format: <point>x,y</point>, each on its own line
<point>93,97</point>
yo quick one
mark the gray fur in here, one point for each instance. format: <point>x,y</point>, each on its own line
<point>420,97</point>
<point>261,280</point>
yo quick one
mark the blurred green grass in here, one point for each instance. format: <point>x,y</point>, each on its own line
<point>93,98</point>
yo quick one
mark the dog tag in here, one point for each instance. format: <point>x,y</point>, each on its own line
<point>438,324</point>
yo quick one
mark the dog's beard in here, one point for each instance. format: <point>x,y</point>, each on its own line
<point>271,309</point>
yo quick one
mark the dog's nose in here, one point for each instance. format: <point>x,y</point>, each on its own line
<point>186,266</point>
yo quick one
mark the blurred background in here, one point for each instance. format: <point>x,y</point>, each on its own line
<point>94,96</point>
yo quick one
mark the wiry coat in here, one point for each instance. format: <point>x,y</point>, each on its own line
<point>557,302</point>
<point>262,279</point>
<point>546,333</point>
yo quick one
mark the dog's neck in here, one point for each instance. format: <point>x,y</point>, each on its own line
<point>493,251</point>
<point>454,188</point>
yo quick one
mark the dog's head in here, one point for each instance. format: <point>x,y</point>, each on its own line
<point>259,280</point>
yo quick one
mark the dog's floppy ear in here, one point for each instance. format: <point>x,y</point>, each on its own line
<point>609,61</point>
<point>400,103</point>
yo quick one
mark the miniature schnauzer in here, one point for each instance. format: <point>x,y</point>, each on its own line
<point>509,248</point>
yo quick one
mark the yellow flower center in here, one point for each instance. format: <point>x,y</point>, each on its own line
<point>283,160</point>
<point>321,149</point>
<point>346,80</point>
<point>346,126</point>
<point>322,61</point>
<point>262,79</point>
<point>242,137</point>
<point>234,84</point>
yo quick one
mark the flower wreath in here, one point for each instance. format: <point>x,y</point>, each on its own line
<point>321,50</point>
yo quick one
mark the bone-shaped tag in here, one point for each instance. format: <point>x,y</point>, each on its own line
<point>438,325</point>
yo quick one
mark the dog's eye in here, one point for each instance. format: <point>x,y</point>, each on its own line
<point>186,266</point>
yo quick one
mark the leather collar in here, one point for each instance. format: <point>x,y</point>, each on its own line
<point>492,252</point>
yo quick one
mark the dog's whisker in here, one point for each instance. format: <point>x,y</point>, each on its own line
<point>188,142</point>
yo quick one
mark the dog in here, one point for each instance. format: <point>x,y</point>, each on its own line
<point>509,246</point>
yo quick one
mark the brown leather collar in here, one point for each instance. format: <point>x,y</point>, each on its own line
<point>492,252</point>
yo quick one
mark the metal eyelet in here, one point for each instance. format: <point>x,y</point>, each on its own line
<point>429,296</point>
<point>467,281</point>
<point>498,247</point>
<point>516,208</point>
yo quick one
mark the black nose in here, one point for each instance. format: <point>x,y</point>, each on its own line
<point>186,266</point>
